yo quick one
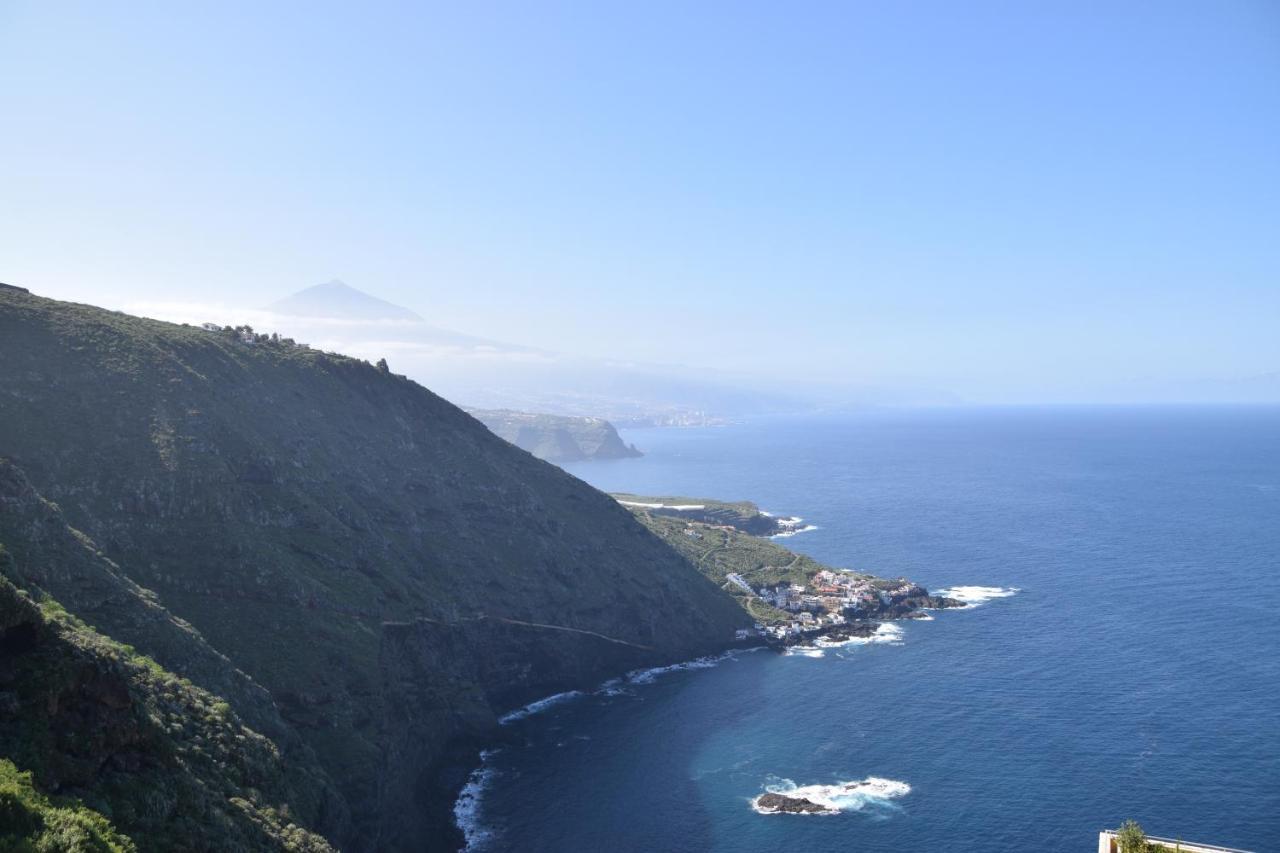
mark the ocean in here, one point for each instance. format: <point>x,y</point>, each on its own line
<point>1122,661</point>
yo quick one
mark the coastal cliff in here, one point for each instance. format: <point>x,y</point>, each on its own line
<point>743,516</point>
<point>557,438</point>
<point>362,571</point>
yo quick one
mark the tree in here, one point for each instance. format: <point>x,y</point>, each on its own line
<point>1131,838</point>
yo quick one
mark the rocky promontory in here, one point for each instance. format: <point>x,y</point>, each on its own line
<point>792,597</point>
<point>557,438</point>
<point>742,516</point>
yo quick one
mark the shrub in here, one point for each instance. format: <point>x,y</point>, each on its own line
<point>1131,838</point>
<point>33,823</point>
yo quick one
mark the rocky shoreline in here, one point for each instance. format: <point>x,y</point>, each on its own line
<point>863,624</point>
<point>468,771</point>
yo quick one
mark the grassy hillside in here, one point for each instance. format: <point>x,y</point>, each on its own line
<point>719,549</point>
<point>744,516</point>
<point>113,733</point>
<point>331,529</point>
<point>30,822</point>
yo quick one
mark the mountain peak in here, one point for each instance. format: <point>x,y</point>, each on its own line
<point>339,300</point>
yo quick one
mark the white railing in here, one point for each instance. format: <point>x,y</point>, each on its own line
<point>1108,836</point>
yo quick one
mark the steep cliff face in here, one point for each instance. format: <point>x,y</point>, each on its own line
<point>46,553</point>
<point>105,730</point>
<point>557,438</point>
<point>329,527</point>
<point>50,558</point>
<point>470,663</point>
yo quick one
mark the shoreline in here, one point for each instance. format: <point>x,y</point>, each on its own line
<point>468,796</point>
<point>811,642</point>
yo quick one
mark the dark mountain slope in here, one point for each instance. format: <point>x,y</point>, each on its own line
<point>51,558</point>
<point>367,552</point>
<point>104,728</point>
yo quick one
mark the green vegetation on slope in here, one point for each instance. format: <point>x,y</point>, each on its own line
<point>392,574</point>
<point>30,822</point>
<point>718,551</point>
<point>742,515</point>
<point>171,765</point>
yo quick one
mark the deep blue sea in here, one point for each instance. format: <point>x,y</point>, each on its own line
<point>1135,672</point>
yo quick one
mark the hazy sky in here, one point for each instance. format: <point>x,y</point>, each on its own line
<point>1010,200</point>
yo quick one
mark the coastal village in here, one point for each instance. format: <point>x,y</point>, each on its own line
<point>792,598</point>
<point>834,599</point>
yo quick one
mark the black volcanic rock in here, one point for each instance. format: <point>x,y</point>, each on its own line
<point>791,805</point>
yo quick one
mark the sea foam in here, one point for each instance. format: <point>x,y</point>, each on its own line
<point>466,809</point>
<point>840,797</point>
<point>972,596</point>
<point>536,707</point>
<point>887,632</point>
<point>647,676</point>
<point>790,526</point>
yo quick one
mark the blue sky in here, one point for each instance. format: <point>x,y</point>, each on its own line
<point>1012,201</point>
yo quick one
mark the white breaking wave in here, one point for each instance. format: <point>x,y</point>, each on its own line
<point>791,525</point>
<point>646,676</point>
<point>886,633</point>
<point>466,809</point>
<point>840,797</point>
<point>535,707</point>
<point>784,534</point>
<point>613,687</point>
<point>972,596</point>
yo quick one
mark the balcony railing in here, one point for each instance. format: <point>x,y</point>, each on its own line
<point>1107,844</point>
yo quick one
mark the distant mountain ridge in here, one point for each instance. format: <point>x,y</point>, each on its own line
<point>484,373</point>
<point>337,300</point>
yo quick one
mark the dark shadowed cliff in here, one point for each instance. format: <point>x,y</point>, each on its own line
<point>126,748</point>
<point>369,575</point>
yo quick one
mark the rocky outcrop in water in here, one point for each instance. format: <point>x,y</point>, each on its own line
<point>774,803</point>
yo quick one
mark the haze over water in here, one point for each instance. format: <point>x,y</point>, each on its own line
<point>1136,672</point>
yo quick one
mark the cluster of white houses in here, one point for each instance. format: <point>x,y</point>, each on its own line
<point>834,592</point>
<point>833,597</point>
